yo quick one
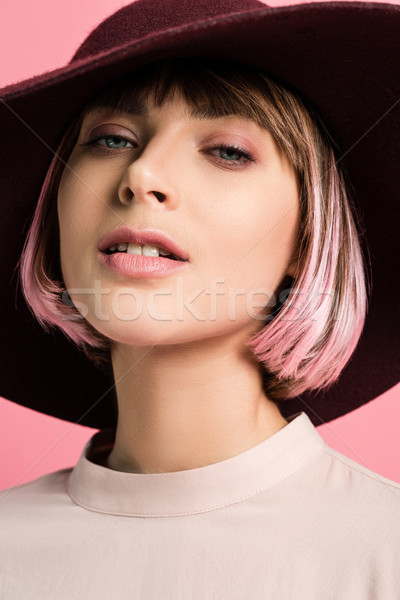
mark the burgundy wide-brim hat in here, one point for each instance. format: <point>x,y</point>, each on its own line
<point>342,57</point>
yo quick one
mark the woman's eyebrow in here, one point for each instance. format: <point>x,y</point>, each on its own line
<point>212,112</point>
<point>208,112</point>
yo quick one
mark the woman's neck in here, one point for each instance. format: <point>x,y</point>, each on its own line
<point>187,406</point>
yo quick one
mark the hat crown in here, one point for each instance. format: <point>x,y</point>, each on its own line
<point>148,17</point>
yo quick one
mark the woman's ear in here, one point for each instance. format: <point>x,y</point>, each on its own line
<point>292,268</point>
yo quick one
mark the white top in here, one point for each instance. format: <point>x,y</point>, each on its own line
<point>289,519</point>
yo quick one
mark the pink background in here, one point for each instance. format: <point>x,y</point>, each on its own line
<point>43,35</point>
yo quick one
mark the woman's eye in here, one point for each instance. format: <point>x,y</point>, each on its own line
<point>233,154</point>
<point>111,142</point>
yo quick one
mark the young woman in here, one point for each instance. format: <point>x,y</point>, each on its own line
<point>197,246</point>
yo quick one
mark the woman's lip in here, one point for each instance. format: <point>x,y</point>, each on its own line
<point>137,265</point>
<point>151,237</point>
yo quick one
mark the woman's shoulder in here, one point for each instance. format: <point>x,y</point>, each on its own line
<point>359,494</point>
<point>47,490</point>
<point>361,474</point>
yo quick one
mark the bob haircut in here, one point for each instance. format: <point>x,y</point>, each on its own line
<point>314,326</point>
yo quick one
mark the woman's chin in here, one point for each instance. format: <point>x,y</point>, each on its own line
<point>146,332</point>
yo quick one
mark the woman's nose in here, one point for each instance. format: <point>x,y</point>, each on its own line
<point>152,176</point>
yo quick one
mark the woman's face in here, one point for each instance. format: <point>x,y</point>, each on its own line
<point>235,213</point>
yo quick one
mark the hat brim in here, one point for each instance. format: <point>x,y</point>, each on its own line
<point>342,57</point>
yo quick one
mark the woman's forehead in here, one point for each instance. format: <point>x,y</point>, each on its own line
<point>139,107</point>
<point>138,96</point>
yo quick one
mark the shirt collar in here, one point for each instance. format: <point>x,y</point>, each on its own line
<point>192,491</point>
